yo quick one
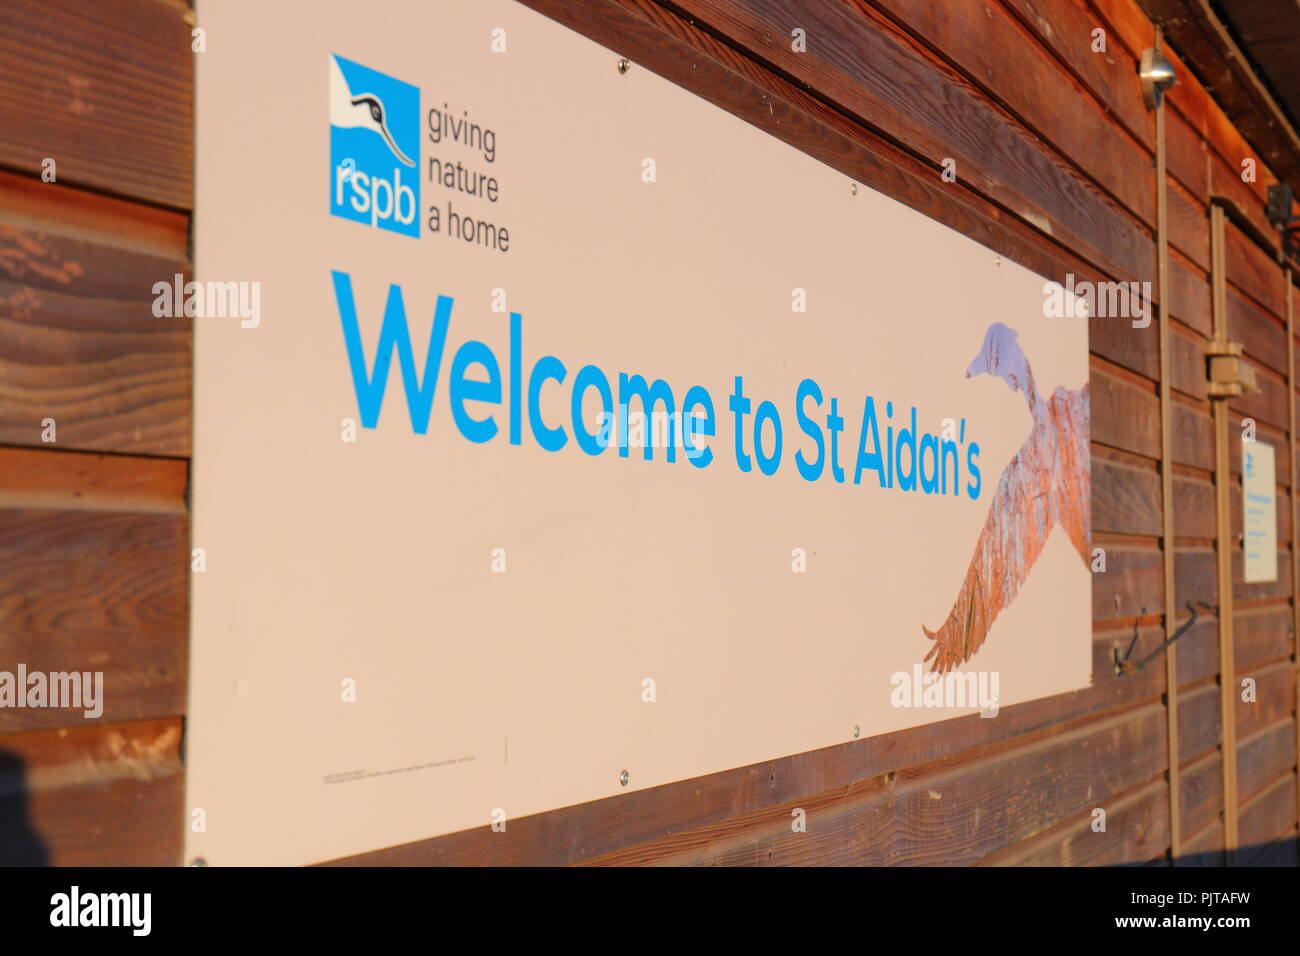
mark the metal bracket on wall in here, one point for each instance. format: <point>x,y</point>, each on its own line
<point>1124,667</point>
<point>1226,371</point>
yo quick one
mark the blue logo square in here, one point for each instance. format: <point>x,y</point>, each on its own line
<point>374,148</point>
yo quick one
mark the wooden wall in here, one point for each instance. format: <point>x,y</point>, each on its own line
<point>1055,161</point>
<point>93,527</point>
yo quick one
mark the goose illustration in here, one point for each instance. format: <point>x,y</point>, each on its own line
<point>350,110</point>
<point>1047,483</point>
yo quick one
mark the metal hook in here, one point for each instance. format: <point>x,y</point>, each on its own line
<point>1122,665</point>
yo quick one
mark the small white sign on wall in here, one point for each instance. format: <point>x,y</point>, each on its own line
<point>1259,508</point>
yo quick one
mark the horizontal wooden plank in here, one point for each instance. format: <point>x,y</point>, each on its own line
<point>868,67</point>
<point>1111,78</point>
<point>1194,506</point>
<point>79,344</point>
<point>1187,362</point>
<point>1195,576</point>
<point>1261,636</point>
<point>1274,699</point>
<point>1193,434</point>
<point>1189,294</point>
<point>98,592</point>
<point>104,795</point>
<point>70,480</point>
<point>1263,335</point>
<point>63,210</point>
<point>1189,226</point>
<point>1118,341</point>
<point>1125,500</point>
<point>1124,415</point>
<point>1267,406</point>
<point>1132,585</point>
<point>106,90</point>
<point>1137,829</point>
<point>1249,268</point>
<point>954,811</point>
<point>991,49</point>
<point>1265,757</point>
<point>1185,153</point>
<point>1198,650</point>
<point>1204,848</point>
<point>1200,788</point>
<point>1268,816</point>
<point>1198,722</point>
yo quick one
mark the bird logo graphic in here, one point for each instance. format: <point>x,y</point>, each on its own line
<point>1047,483</point>
<point>374,122</point>
<point>349,110</point>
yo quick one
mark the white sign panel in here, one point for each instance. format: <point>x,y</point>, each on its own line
<point>558,434</point>
<point>1259,507</point>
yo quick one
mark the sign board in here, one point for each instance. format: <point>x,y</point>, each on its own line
<point>569,426</point>
<point>1259,507</point>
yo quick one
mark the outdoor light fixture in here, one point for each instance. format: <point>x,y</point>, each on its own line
<point>1157,75</point>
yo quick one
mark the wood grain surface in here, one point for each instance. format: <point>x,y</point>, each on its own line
<point>1054,154</point>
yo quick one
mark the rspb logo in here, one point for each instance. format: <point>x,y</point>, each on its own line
<point>374,148</point>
